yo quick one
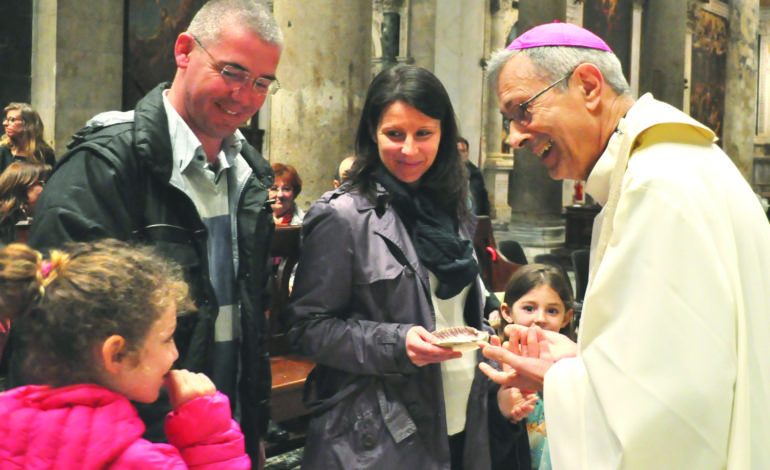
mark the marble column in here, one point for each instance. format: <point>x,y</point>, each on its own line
<point>497,164</point>
<point>664,36</point>
<point>535,198</point>
<point>741,87</point>
<point>324,73</point>
<point>77,64</point>
<point>535,12</point>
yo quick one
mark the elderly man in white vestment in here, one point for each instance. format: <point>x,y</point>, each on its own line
<point>672,365</point>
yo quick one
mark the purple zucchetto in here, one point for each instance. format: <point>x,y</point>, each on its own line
<point>558,34</point>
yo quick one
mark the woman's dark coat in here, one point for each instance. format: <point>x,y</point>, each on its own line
<point>359,288</point>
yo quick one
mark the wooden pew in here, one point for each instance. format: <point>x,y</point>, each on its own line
<point>289,370</point>
<point>496,269</point>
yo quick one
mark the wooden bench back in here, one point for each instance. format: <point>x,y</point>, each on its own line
<point>287,243</point>
<point>496,269</point>
<point>289,370</point>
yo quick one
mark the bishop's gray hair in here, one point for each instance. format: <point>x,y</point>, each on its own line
<point>554,62</point>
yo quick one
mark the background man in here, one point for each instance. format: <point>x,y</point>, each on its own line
<point>672,361</point>
<point>476,188</point>
<point>176,173</point>
<point>345,165</point>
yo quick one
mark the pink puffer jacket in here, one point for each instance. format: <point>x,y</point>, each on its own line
<point>89,427</point>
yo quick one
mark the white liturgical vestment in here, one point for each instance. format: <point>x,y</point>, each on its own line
<point>673,365</point>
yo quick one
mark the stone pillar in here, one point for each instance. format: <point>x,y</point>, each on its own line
<point>741,86</point>
<point>497,165</point>
<point>421,36</point>
<point>662,51</point>
<point>535,12</point>
<point>457,53</point>
<point>535,199</point>
<point>324,73</point>
<point>77,64</point>
<point>43,85</point>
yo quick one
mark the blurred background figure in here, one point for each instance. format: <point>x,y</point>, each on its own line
<point>20,186</point>
<point>476,188</point>
<point>23,138</point>
<point>342,171</point>
<point>285,190</point>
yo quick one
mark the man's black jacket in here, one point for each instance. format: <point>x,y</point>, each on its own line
<point>114,183</point>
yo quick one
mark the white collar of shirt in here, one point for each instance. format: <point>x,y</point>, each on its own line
<point>598,182</point>
<point>186,147</point>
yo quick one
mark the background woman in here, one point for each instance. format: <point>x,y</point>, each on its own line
<point>285,190</point>
<point>23,138</point>
<point>20,186</point>
<point>385,262</point>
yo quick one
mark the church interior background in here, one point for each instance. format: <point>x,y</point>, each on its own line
<point>72,59</point>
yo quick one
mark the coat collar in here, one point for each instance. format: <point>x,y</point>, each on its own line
<point>386,224</point>
<point>153,144</point>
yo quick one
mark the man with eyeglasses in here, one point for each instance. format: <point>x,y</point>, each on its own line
<point>671,367</point>
<point>177,174</point>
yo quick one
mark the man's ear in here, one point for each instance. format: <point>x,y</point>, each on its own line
<point>113,354</point>
<point>182,48</point>
<point>590,83</point>
<point>506,313</point>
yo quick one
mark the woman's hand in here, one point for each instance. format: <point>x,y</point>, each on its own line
<point>514,404</point>
<point>183,386</point>
<point>421,350</point>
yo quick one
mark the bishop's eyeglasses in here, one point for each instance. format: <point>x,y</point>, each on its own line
<point>520,113</point>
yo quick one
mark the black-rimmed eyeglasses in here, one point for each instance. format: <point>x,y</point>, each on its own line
<point>520,113</point>
<point>240,78</point>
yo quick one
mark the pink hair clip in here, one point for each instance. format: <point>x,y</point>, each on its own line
<point>45,268</point>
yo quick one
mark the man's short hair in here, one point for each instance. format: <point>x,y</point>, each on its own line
<point>217,15</point>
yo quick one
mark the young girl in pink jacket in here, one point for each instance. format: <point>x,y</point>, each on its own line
<point>97,323</point>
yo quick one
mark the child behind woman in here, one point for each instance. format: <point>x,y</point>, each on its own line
<point>98,323</point>
<point>537,294</point>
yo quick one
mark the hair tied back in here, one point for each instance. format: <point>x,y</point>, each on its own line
<point>45,269</point>
<point>44,276</point>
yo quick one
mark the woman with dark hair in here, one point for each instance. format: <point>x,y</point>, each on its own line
<point>386,261</point>
<point>20,186</point>
<point>23,138</point>
<point>284,191</point>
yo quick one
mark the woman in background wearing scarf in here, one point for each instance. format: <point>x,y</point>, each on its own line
<point>387,260</point>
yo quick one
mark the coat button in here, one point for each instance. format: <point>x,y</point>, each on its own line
<point>369,441</point>
<point>409,272</point>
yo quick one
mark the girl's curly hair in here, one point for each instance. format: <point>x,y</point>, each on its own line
<point>66,307</point>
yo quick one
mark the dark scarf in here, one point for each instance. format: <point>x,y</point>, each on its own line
<point>434,235</point>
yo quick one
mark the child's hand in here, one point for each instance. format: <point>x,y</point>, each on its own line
<point>183,386</point>
<point>514,405</point>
